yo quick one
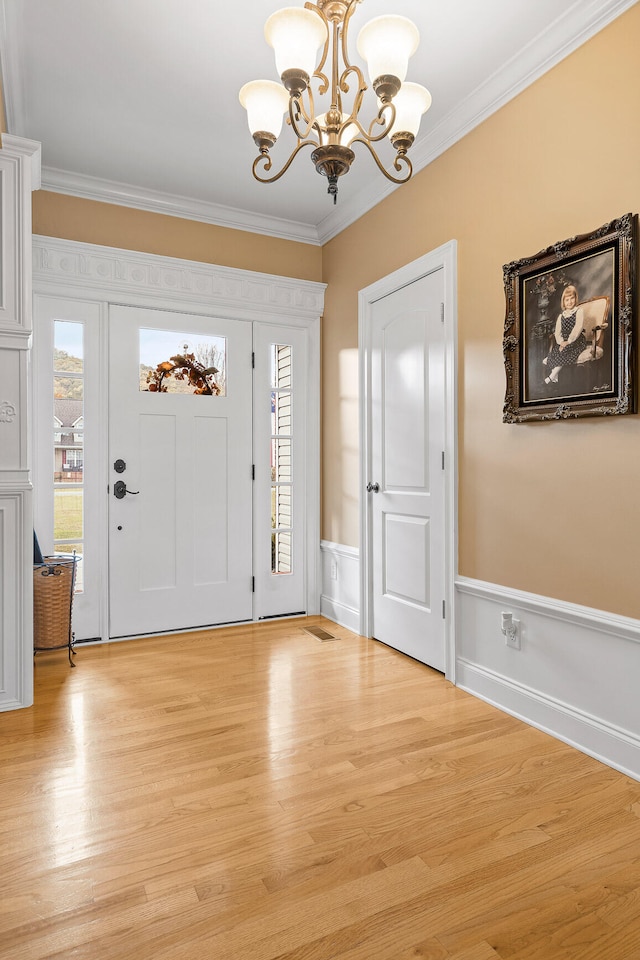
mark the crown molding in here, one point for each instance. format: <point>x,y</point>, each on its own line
<point>579,23</point>
<point>113,273</point>
<point>127,195</point>
<point>31,149</point>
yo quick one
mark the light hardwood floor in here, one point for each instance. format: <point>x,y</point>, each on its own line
<point>251,794</point>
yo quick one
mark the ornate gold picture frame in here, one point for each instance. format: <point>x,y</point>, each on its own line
<point>569,340</point>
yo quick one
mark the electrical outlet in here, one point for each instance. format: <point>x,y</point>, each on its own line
<point>334,569</point>
<point>511,631</point>
<point>512,639</point>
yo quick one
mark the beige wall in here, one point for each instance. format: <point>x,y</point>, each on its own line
<point>552,508</point>
<point>71,218</point>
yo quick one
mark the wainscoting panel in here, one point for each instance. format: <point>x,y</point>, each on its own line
<point>575,675</point>
<point>340,591</point>
<point>16,599</point>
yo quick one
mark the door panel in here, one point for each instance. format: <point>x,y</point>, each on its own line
<point>406,559</point>
<point>154,515</point>
<point>180,543</point>
<point>404,389</point>
<point>407,442</point>
<point>210,510</point>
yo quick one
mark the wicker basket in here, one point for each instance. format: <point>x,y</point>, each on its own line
<point>53,584</point>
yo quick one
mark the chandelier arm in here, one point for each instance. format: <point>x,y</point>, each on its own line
<point>403,160</point>
<point>308,117</point>
<point>381,118</point>
<point>324,84</point>
<point>400,161</point>
<point>345,32</point>
<point>266,160</point>
<point>362,87</point>
<point>378,119</point>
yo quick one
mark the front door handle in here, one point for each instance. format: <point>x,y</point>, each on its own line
<point>373,487</point>
<point>120,490</point>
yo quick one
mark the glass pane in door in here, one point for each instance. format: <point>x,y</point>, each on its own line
<point>174,362</point>
<point>68,440</point>
<point>281,461</point>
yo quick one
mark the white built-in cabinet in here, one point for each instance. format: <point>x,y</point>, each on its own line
<point>19,175</point>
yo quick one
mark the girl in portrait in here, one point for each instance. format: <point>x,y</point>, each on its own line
<point>569,339</point>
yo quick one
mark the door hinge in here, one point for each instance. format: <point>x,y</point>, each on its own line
<point>442,312</point>
<point>444,609</point>
<point>253,471</point>
<point>253,584</point>
<point>253,361</point>
<point>443,459</point>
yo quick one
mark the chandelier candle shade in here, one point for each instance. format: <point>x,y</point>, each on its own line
<point>312,52</point>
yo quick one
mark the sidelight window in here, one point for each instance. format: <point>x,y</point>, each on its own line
<point>68,441</point>
<point>281,447</point>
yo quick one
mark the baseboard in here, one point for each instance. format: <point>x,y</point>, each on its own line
<point>340,591</point>
<point>574,676</point>
<point>340,613</point>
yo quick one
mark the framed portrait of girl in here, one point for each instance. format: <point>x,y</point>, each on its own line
<point>569,327</point>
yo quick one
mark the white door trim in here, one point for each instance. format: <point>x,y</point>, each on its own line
<point>83,271</point>
<point>445,258</point>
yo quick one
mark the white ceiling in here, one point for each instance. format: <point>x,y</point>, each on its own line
<point>136,101</point>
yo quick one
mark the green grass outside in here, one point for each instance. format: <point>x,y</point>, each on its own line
<point>67,515</point>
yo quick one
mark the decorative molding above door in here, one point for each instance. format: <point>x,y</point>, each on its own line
<point>128,273</point>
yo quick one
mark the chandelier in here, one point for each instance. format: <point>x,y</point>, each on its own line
<point>297,34</point>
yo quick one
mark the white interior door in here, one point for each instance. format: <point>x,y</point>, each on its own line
<point>180,546</point>
<point>407,502</point>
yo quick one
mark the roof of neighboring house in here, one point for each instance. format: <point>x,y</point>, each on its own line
<point>67,411</point>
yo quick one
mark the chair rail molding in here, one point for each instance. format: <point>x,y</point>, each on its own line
<point>574,676</point>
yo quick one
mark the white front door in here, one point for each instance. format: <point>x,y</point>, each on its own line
<point>407,499</point>
<point>180,538</point>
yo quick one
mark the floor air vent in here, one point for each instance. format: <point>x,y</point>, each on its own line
<point>319,634</point>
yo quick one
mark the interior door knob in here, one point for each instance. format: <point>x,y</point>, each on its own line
<point>373,487</point>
